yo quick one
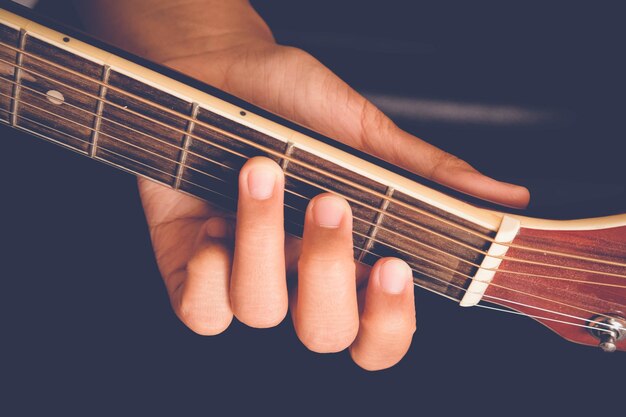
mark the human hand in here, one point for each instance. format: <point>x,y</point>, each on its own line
<point>216,266</point>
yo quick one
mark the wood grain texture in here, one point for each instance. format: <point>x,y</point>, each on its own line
<point>8,36</point>
<point>578,299</point>
<point>45,99</point>
<point>136,132</point>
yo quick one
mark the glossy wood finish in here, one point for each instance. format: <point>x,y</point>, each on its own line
<point>578,299</point>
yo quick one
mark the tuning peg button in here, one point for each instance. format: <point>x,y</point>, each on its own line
<point>608,329</point>
<point>607,342</point>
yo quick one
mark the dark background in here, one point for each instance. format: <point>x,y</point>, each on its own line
<point>85,322</point>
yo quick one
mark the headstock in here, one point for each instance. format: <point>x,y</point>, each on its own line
<point>572,281</point>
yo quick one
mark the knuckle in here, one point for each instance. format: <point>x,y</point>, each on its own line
<point>372,119</point>
<point>296,54</point>
<point>444,162</point>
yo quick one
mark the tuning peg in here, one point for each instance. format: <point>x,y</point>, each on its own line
<point>607,342</point>
<point>608,329</point>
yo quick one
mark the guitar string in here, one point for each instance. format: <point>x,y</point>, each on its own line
<point>326,189</point>
<point>375,254</point>
<point>275,153</point>
<point>348,198</point>
<point>535,308</point>
<point>503,310</point>
<point>307,198</point>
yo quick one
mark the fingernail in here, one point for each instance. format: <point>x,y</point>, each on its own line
<point>394,276</point>
<point>261,182</point>
<point>328,211</point>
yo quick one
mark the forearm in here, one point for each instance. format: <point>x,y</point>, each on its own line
<point>163,30</point>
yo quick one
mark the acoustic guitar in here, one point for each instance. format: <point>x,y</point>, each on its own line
<point>67,88</point>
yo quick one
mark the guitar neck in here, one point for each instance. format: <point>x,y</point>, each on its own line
<point>117,109</point>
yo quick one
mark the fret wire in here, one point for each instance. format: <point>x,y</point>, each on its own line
<point>417,271</point>
<point>405,237</point>
<point>377,221</point>
<point>313,168</point>
<point>243,140</point>
<point>17,75</point>
<point>99,107</point>
<point>285,162</point>
<point>185,148</point>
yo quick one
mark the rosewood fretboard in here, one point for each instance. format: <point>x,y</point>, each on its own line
<point>116,118</point>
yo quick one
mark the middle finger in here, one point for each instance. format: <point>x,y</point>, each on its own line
<point>326,313</point>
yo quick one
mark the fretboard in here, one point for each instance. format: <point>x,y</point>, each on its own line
<point>99,108</point>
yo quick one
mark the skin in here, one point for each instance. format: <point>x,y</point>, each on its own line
<point>217,266</point>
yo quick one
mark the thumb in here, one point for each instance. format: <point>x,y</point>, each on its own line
<point>330,106</point>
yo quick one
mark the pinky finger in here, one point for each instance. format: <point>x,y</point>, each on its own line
<point>201,301</point>
<point>388,319</point>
